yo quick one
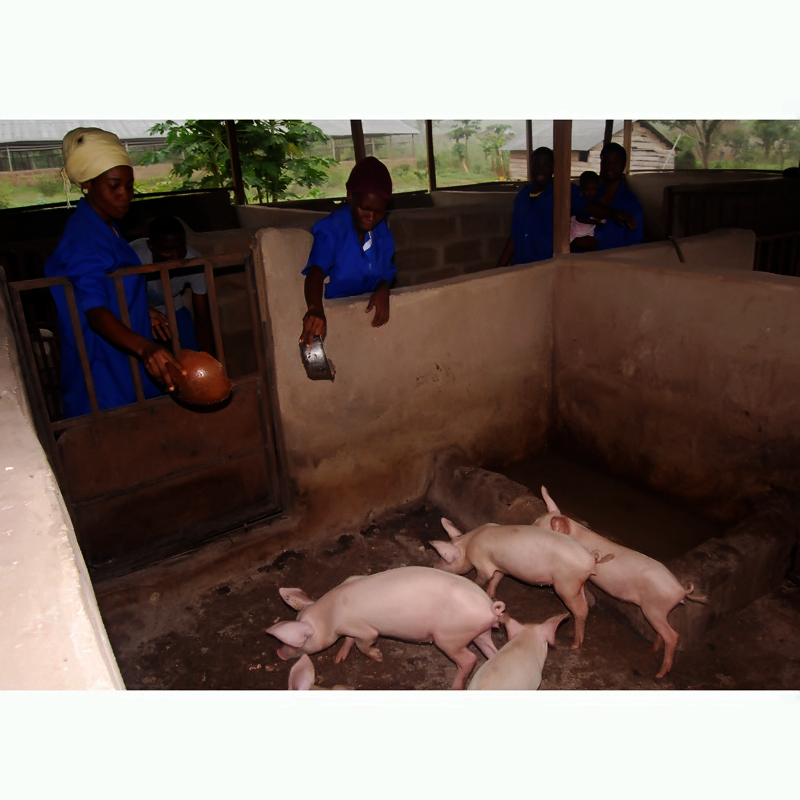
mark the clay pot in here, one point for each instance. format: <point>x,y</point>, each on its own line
<point>206,383</point>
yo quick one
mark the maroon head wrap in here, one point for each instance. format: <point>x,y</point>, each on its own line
<point>370,176</point>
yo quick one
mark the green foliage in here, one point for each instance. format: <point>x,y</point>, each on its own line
<point>5,195</point>
<point>686,159</point>
<point>463,130</point>
<point>49,186</point>
<point>776,135</point>
<point>706,131</point>
<point>494,137</point>
<point>273,154</point>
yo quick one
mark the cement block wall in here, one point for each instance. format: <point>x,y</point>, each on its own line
<point>684,380</point>
<point>453,366</point>
<point>431,244</point>
<point>51,634</point>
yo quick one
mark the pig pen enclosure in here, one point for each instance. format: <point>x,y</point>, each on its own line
<point>677,378</point>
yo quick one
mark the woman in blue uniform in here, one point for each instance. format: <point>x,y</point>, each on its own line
<point>615,202</point>
<point>90,249</point>
<point>353,247</point>
<point>531,236</point>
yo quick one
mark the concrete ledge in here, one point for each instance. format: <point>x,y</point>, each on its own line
<point>732,571</point>
<point>471,496</point>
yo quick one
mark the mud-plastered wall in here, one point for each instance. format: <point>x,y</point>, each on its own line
<point>463,363</point>
<point>683,380</point>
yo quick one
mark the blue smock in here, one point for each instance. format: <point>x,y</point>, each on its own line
<point>338,252</point>
<point>87,252</point>
<point>532,225</point>
<point>609,234</point>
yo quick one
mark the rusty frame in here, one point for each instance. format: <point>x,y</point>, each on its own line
<point>253,385</point>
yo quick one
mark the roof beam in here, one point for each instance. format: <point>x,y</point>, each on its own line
<point>359,147</point>
<point>429,155</point>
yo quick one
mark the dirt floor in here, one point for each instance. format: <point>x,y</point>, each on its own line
<point>215,639</point>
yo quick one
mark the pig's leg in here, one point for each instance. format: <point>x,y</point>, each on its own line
<point>464,659</point>
<point>486,643</point>
<point>344,650</point>
<point>575,601</point>
<point>491,589</point>
<point>658,619</point>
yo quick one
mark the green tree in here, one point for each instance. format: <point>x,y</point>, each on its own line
<point>706,133</point>
<point>463,129</point>
<point>492,140</point>
<point>739,139</point>
<point>272,154</point>
<point>775,136</point>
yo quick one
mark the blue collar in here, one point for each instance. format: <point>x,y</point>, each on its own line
<point>90,216</point>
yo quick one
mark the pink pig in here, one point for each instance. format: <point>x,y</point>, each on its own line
<point>528,553</point>
<point>518,664</point>
<point>302,676</point>
<point>415,604</point>
<point>631,576</point>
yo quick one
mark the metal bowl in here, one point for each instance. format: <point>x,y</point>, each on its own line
<point>318,368</point>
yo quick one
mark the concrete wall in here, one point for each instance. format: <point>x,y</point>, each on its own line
<point>431,244</point>
<point>465,363</point>
<point>728,248</point>
<point>51,634</point>
<point>682,380</point>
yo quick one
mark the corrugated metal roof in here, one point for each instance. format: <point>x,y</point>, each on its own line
<point>371,127</point>
<point>53,130</point>
<point>586,134</point>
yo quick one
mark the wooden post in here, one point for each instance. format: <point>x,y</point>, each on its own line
<point>358,139</point>
<point>609,131</point>
<point>627,138</point>
<point>562,157</point>
<point>529,147</point>
<point>236,165</point>
<point>429,148</point>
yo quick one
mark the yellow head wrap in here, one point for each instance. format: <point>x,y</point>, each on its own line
<point>89,152</point>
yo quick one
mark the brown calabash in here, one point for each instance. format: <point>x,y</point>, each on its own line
<point>206,383</point>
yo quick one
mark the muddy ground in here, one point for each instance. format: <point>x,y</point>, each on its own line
<point>215,639</point>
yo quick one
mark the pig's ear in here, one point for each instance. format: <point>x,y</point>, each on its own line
<point>449,552</point>
<point>296,598</point>
<point>451,529</point>
<point>301,675</point>
<point>292,633</point>
<point>560,525</point>
<point>548,628</point>
<point>551,506</point>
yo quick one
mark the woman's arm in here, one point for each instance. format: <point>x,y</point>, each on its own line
<point>380,302</point>
<point>314,322</point>
<point>154,357</point>
<point>507,254</point>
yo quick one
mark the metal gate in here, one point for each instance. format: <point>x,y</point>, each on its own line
<point>154,478</point>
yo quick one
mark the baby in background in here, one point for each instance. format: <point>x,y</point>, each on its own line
<point>580,225</point>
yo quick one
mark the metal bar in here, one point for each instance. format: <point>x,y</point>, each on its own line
<point>252,297</point>
<point>562,156</point>
<point>627,139</point>
<point>82,354</point>
<point>126,319</point>
<point>236,164</point>
<point>609,131</point>
<point>214,310</point>
<point>169,303</point>
<point>430,155</point>
<point>359,147</point>
<point>529,149</point>
<point>77,422</point>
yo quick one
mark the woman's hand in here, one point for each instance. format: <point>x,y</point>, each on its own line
<point>155,359</point>
<point>314,324</point>
<point>624,218</point>
<point>380,302</point>
<point>160,325</point>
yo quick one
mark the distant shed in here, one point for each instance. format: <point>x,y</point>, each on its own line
<point>651,150</point>
<point>36,144</point>
<point>378,133</point>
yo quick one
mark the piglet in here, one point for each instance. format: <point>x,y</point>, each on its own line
<point>631,576</point>
<point>302,676</point>
<point>415,604</point>
<point>526,552</point>
<point>518,664</point>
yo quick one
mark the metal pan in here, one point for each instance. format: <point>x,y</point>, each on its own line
<point>318,368</point>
